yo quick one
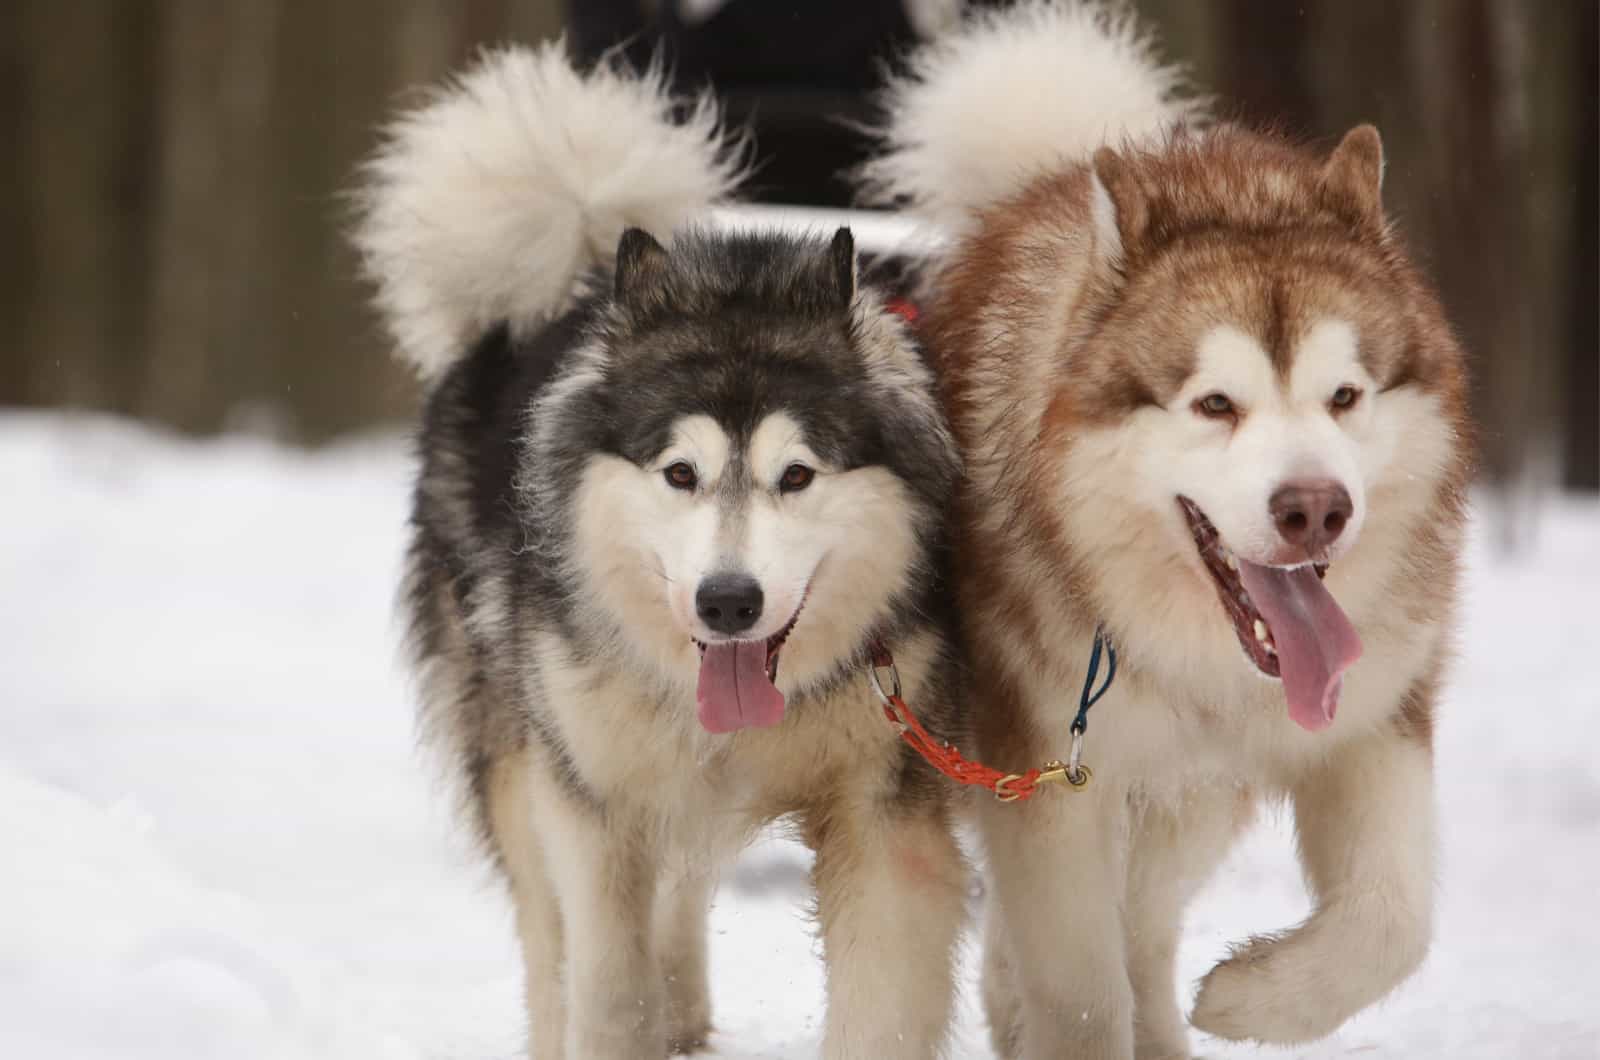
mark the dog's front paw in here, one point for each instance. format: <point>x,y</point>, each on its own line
<point>688,1028</point>
<point>1300,986</point>
<point>683,1040</point>
<point>1260,994</point>
<point>688,1010</point>
<point>1173,1050</point>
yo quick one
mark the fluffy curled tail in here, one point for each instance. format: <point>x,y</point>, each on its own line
<point>1011,92</point>
<point>490,200</point>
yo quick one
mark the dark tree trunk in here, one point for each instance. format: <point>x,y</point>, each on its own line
<point>84,73</point>
<point>207,350</point>
<point>1475,107</point>
<point>17,261</point>
<point>1582,385</point>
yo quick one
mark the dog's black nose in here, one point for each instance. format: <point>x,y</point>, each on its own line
<point>729,603</point>
<point>1311,514</point>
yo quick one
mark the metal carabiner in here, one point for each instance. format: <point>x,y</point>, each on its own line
<point>887,698</point>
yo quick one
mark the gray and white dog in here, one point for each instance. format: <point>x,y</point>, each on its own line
<point>669,496</point>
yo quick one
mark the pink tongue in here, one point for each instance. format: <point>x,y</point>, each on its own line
<point>1316,643</point>
<point>734,691</point>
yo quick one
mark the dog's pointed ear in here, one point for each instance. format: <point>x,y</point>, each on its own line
<point>641,272</point>
<point>842,266</point>
<point>1120,209</point>
<point>1352,178</point>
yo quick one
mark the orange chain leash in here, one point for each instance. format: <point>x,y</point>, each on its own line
<point>1007,787</point>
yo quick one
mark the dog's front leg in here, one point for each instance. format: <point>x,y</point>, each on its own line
<point>891,888</point>
<point>1174,844</point>
<point>683,903</point>
<point>1366,825</point>
<point>1057,865</point>
<point>605,876</point>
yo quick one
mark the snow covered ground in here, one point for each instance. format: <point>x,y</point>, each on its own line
<point>216,839</point>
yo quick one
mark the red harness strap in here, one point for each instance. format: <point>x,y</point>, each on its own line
<point>905,308</point>
<point>1007,787</point>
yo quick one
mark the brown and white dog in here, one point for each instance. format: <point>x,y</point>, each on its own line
<point>1208,404</point>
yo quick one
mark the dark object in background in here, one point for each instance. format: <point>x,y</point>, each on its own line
<point>797,74</point>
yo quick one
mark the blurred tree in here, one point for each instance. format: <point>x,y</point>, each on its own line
<point>77,225</point>
<point>1474,103</point>
<point>209,248</point>
<point>1581,178</point>
<point>17,267</point>
<point>175,241</point>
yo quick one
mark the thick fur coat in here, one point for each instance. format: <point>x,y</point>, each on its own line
<point>1192,371</point>
<point>670,493</point>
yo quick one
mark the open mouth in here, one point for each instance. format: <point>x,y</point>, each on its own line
<point>1287,622</point>
<point>1252,628</point>
<point>774,645</point>
<point>738,681</point>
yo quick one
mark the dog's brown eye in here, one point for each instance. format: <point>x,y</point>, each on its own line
<point>680,476</point>
<point>796,477</point>
<point>1345,397</point>
<point>1215,405</point>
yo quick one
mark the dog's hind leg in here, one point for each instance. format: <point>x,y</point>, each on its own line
<point>683,903</point>
<point>509,818</point>
<point>891,894</point>
<point>1366,824</point>
<point>1174,848</point>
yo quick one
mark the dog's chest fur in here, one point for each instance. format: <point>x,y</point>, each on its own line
<point>638,746</point>
<point>1163,735</point>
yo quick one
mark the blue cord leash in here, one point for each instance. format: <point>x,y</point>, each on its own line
<point>1076,772</point>
<point>1102,644</point>
<point>1007,787</point>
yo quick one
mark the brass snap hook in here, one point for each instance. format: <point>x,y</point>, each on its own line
<point>1060,773</point>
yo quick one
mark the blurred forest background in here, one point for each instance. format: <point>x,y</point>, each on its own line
<point>173,229</point>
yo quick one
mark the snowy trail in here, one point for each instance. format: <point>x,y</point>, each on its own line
<point>219,842</point>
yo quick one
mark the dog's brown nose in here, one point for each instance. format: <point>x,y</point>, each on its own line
<point>1311,514</point>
